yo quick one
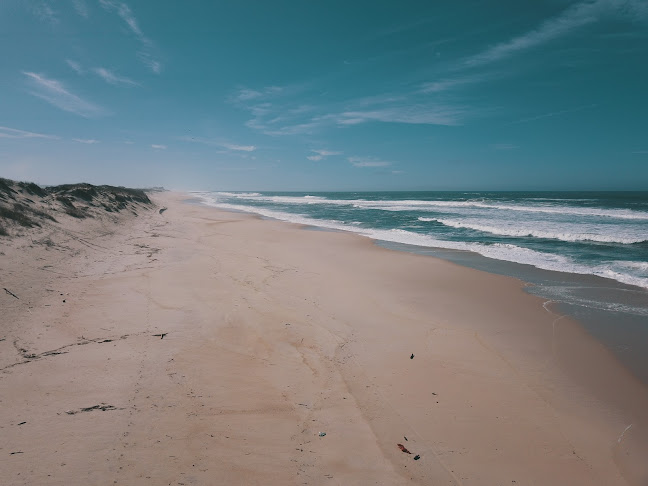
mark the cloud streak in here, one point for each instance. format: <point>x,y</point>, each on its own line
<point>575,17</point>
<point>321,154</point>
<point>81,8</point>
<point>55,93</point>
<point>281,119</point>
<point>76,67</point>
<point>239,148</point>
<point>45,12</point>
<point>552,114</point>
<point>326,153</point>
<point>126,14</point>
<point>413,114</point>
<point>368,162</point>
<point>158,146</point>
<point>87,141</point>
<point>112,78</point>
<point>219,143</point>
<point>6,132</point>
<point>246,94</point>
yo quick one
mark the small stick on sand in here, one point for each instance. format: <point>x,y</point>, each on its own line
<point>10,292</point>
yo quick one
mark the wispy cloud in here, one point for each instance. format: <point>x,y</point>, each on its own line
<point>553,113</point>
<point>57,95</point>
<point>45,12</point>
<point>6,132</point>
<point>451,83</point>
<point>124,11</point>
<point>112,78</point>
<point>239,148</point>
<point>245,94</point>
<point>88,141</point>
<point>126,14</point>
<point>415,114</point>
<point>368,162</point>
<point>640,152</point>
<point>282,117</point>
<point>326,153</point>
<point>81,8</point>
<point>158,147</point>
<point>76,67</point>
<point>575,17</point>
<point>321,154</point>
<point>218,143</point>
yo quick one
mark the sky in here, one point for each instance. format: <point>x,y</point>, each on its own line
<point>326,95</point>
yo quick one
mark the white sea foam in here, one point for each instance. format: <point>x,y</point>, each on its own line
<point>239,194</point>
<point>414,204</point>
<point>498,251</point>
<point>580,232</point>
<point>566,294</point>
<point>643,266</point>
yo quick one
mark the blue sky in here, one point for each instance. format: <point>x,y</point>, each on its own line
<point>326,95</point>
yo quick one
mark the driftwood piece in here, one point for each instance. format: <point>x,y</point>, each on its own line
<point>10,292</point>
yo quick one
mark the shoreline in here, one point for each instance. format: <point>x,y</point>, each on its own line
<point>594,316</point>
<point>273,335</point>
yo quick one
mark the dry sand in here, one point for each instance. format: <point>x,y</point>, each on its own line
<point>274,334</point>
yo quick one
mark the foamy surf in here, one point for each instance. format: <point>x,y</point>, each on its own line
<point>587,241</point>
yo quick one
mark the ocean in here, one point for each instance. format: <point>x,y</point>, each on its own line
<point>585,252</point>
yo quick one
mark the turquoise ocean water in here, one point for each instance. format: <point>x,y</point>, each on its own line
<point>587,252</point>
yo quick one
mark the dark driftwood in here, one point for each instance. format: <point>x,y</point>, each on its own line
<point>10,292</point>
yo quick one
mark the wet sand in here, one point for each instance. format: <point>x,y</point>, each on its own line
<point>273,334</point>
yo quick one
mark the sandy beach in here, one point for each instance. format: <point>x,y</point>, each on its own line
<point>199,347</point>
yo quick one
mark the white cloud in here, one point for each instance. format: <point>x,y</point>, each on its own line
<point>45,12</point>
<point>321,154</point>
<point>148,60</point>
<point>553,113</point>
<point>576,16</point>
<point>158,147</point>
<point>88,141</point>
<point>240,148</point>
<point>55,93</point>
<point>415,114</point>
<point>287,115</point>
<point>246,94</point>
<point>451,83</point>
<point>326,153</point>
<point>126,14</point>
<point>6,132</point>
<point>76,67</point>
<point>219,143</point>
<point>367,162</point>
<point>111,78</point>
<point>81,8</point>
<point>297,129</point>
